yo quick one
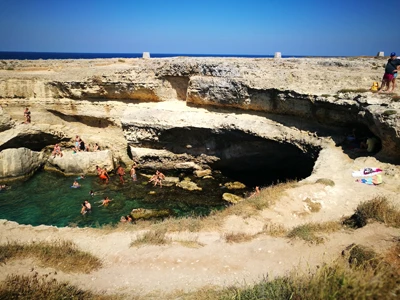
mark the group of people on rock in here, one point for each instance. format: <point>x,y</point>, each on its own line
<point>157,178</point>
<point>78,146</point>
<point>81,146</point>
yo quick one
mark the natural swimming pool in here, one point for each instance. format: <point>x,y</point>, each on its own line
<point>47,198</point>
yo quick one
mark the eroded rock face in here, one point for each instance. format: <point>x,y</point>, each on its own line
<point>19,162</point>
<point>194,113</point>
<point>81,162</point>
<point>5,120</point>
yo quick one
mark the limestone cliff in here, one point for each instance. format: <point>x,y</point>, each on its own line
<point>201,111</point>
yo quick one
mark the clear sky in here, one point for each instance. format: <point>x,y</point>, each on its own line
<point>263,27</point>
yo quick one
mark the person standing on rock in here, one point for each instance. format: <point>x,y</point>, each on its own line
<point>132,173</point>
<point>104,175</point>
<point>27,115</point>
<point>390,74</point>
<point>121,173</point>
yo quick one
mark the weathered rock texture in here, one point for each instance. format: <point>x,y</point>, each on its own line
<point>81,162</point>
<point>19,162</point>
<point>194,113</point>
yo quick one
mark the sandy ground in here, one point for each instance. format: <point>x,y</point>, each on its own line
<point>162,269</point>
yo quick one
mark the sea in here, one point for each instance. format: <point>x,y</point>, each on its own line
<point>73,55</point>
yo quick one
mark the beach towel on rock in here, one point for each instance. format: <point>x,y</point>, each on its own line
<point>366,172</point>
<point>375,180</point>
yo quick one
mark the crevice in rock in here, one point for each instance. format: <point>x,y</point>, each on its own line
<point>179,84</point>
<point>87,120</point>
<point>34,142</point>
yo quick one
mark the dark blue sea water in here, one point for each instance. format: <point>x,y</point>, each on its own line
<point>66,55</point>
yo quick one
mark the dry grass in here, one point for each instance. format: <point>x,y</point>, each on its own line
<point>325,181</point>
<point>152,237</point>
<point>252,206</point>
<point>238,237</point>
<point>41,287</point>
<point>378,209</point>
<point>353,91</point>
<point>396,98</point>
<point>61,255</point>
<point>308,232</point>
<point>392,256</point>
<point>248,208</point>
<point>275,230</point>
<point>389,112</point>
<point>337,280</point>
<point>192,224</point>
<point>313,206</point>
<point>191,244</point>
<point>96,79</point>
<point>361,256</point>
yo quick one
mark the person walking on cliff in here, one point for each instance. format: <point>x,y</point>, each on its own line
<point>27,115</point>
<point>390,74</point>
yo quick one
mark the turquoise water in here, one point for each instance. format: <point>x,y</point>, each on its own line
<point>47,198</point>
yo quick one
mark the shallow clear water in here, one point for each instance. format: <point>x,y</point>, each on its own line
<point>47,198</point>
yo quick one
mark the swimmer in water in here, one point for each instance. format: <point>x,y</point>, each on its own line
<point>105,201</point>
<point>86,207</point>
<point>76,184</point>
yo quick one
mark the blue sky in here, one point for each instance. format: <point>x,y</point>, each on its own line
<point>308,27</point>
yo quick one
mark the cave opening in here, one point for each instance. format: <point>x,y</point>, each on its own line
<point>250,159</point>
<point>359,140</point>
<point>33,141</point>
